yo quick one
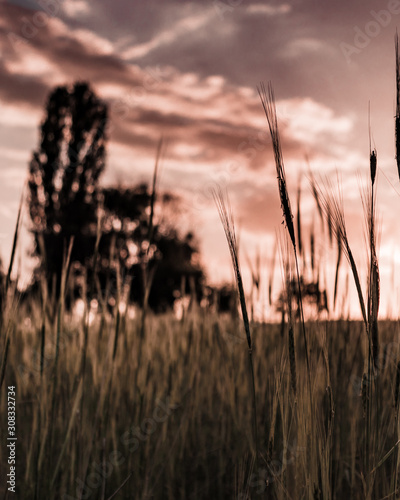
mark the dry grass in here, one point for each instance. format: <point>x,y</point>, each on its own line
<point>199,447</point>
<point>397,119</point>
<point>226,217</point>
<point>144,406</point>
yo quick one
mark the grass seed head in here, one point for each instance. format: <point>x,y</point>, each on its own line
<point>397,119</point>
<point>372,165</point>
<point>397,387</point>
<point>226,217</point>
<point>268,102</point>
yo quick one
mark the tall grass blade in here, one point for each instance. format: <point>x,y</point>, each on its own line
<point>268,102</point>
<point>14,245</point>
<point>298,217</point>
<point>397,119</point>
<point>227,221</point>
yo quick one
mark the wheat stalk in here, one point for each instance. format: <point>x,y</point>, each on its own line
<point>268,102</point>
<point>334,205</point>
<point>226,216</point>
<point>397,119</point>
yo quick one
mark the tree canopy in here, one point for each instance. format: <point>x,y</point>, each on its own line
<point>67,200</point>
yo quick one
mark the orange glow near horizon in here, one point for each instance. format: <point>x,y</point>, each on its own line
<point>188,73</point>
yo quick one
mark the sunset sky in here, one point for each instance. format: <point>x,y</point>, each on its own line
<point>188,70</point>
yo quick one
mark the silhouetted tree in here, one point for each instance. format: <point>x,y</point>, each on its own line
<point>311,293</point>
<point>172,259</point>
<point>66,200</point>
<point>223,298</point>
<point>64,174</point>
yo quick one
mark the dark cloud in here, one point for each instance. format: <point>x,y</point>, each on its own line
<point>19,89</point>
<point>297,44</point>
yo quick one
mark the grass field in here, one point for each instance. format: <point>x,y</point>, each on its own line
<point>180,424</point>
<point>209,406</point>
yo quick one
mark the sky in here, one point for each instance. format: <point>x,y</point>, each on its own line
<point>189,71</point>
